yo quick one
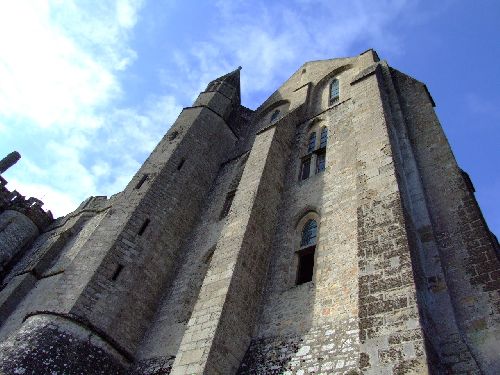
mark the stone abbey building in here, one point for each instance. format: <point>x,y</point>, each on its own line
<point>330,231</point>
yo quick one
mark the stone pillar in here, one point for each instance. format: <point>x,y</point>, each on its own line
<point>220,328</point>
<point>391,335</point>
<point>9,161</point>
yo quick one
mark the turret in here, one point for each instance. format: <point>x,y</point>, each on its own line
<point>9,161</point>
<point>124,259</point>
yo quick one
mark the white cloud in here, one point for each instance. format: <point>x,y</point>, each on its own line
<point>62,62</point>
<point>46,78</point>
<point>271,40</point>
<point>59,67</point>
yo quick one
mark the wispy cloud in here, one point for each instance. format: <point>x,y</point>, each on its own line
<point>481,105</point>
<point>272,39</point>
<point>59,68</point>
<point>67,73</point>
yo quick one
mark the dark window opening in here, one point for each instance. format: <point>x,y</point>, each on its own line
<point>305,168</point>
<point>181,164</point>
<point>118,270</point>
<point>324,138</point>
<point>143,227</point>
<point>141,181</point>
<point>334,91</point>
<point>306,265</point>
<point>274,116</point>
<point>227,204</point>
<point>320,162</point>
<point>312,143</point>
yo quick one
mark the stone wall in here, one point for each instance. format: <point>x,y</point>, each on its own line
<point>192,269</point>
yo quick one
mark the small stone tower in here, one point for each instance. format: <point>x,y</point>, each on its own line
<point>329,231</point>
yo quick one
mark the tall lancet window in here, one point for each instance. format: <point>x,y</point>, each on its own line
<point>324,137</point>
<point>312,143</point>
<point>306,253</point>
<point>334,91</point>
<point>321,153</point>
<point>309,233</point>
<point>274,116</point>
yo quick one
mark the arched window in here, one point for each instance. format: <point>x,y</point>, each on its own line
<point>309,233</point>
<point>274,116</point>
<point>306,253</point>
<point>321,153</point>
<point>324,137</point>
<point>334,91</point>
<point>312,143</point>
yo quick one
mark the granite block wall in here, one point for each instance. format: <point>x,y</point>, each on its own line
<point>194,267</point>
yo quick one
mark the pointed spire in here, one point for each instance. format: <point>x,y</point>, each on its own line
<point>231,78</point>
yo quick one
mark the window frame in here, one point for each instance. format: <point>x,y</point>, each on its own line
<point>274,116</point>
<point>323,138</point>
<point>320,157</point>
<point>306,251</point>
<point>306,160</point>
<point>311,143</point>
<point>305,276</point>
<point>334,91</point>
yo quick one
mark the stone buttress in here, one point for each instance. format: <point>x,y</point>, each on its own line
<point>197,267</point>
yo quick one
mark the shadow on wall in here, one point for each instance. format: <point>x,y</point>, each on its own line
<point>280,341</point>
<point>160,345</point>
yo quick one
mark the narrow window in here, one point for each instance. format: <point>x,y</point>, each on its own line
<point>227,204</point>
<point>181,164</point>
<point>309,233</point>
<point>305,168</point>
<point>274,116</point>
<point>312,143</point>
<point>306,265</point>
<point>117,272</point>
<point>141,181</point>
<point>320,161</point>
<point>324,137</point>
<point>334,91</point>
<point>208,256</point>
<point>143,227</point>
<point>306,253</point>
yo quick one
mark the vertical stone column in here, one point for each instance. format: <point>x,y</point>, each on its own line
<point>392,340</point>
<point>220,327</point>
<point>9,161</point>
<point>466,249</point>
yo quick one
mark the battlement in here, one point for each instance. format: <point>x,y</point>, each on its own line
<point>30,207</point>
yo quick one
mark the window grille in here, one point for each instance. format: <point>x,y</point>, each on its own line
<point>312,143</point>
<point>274,116</point>
<point>305,168</point>
<point>334,91</point>
<point>309,233</point>
<point>324,137</point>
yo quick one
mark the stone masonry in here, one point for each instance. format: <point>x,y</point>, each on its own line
<point>329,231</point>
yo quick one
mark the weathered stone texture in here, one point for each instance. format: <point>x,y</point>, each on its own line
<point>16,233</point>
<point>49,345</point>
<point>195,268</point>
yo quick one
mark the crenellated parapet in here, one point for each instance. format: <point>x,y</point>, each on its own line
<point>30,207</point>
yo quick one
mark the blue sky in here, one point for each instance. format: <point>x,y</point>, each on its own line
<point>87,88</point>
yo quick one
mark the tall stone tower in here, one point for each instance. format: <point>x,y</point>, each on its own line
<point>330,231</point>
